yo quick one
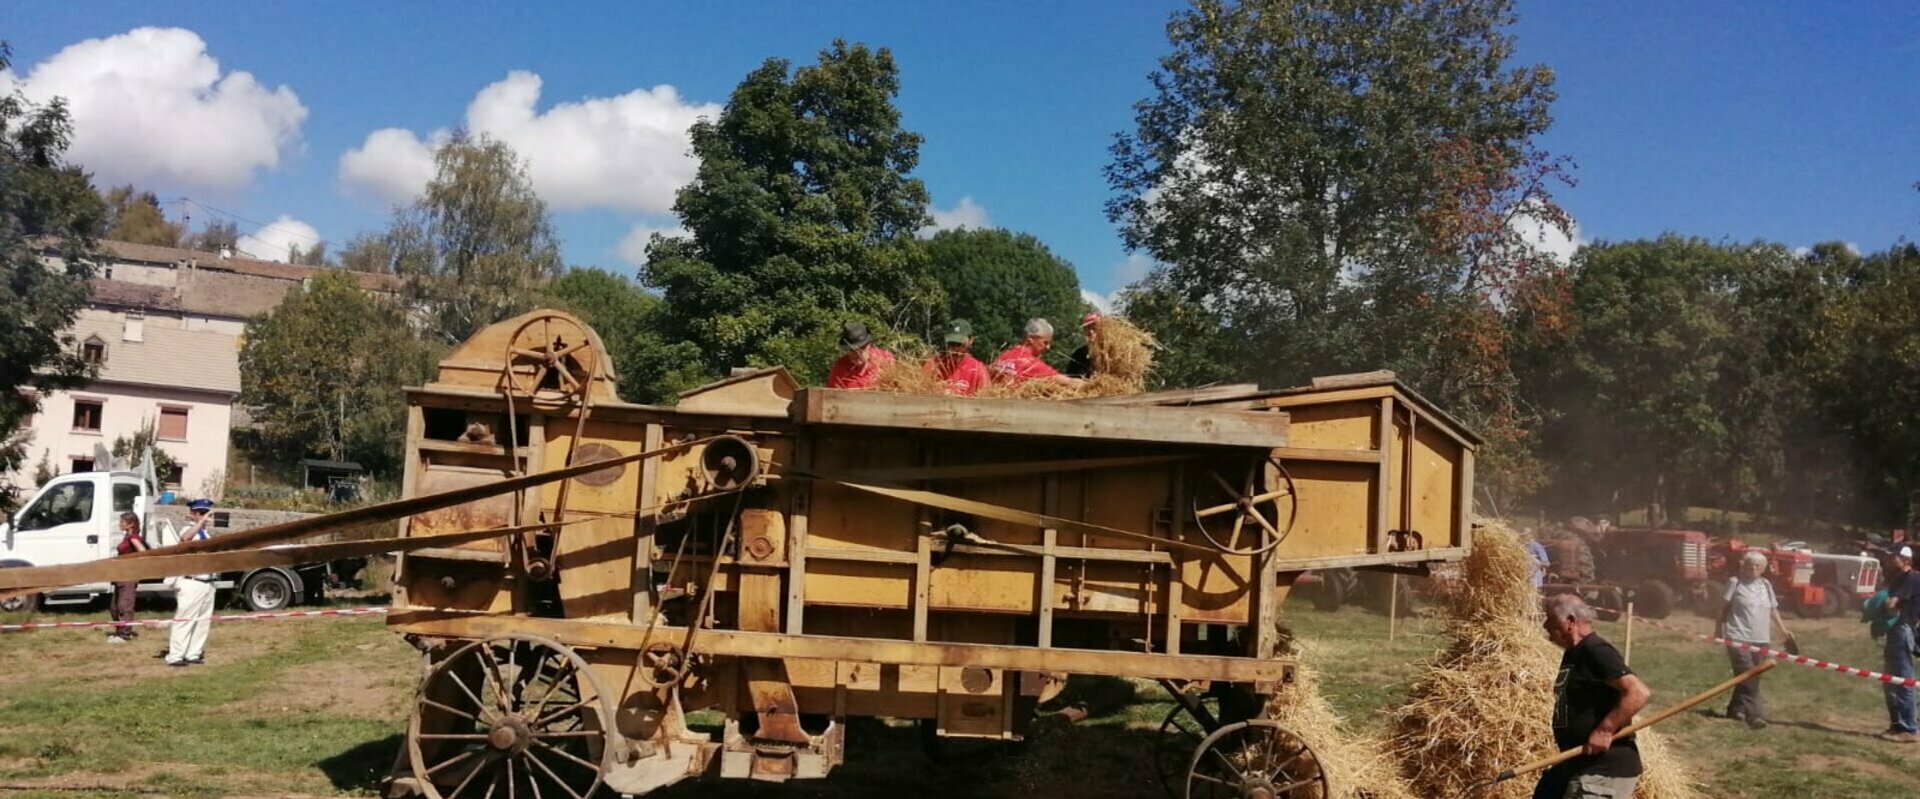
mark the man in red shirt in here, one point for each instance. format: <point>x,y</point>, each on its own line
<point>962,373</point>
<point>1021,362</point>
<point>862,363</point>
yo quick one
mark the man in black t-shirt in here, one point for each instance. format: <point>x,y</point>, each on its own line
<point>1594,696</point>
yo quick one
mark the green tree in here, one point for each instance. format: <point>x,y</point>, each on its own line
<point>217,236</point>
<point>135,216</point>
<point>478,244</point>
<point>322,374</point>
<point>1332,186</point>
<point>998,280</point>
<point>1870,382</point>
<point>133,449</point>
<point>801,217</point>
<point>618,309</point>
<point>368,252</point>
<point>311,256</point>
<point>45,203</point>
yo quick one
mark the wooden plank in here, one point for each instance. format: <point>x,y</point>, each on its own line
<point>800,497</point>
<point>1041,418</point>
<point>1382,489</point>
<point>1447,555</point>
<point>733,643</point>
<point>1001,471</point>
<point>1379,377</point>
<point>645,528</point>
<point>1049,540</point>
<point>1334,455</point>
<point>1009,550</point>
<point>1183,396</point>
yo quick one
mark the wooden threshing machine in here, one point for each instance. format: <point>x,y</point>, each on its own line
<point>794,557</point>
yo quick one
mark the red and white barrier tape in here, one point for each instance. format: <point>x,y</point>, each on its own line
<point>1801,660</point>
<point>296,614</point>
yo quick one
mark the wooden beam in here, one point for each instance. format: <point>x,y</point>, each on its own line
<point>734,643</point>
<point>1446,555</point>
<point>998,471</point>
<point>1040,418</point>
<point>1184,396</point>
<point>1329,455</point>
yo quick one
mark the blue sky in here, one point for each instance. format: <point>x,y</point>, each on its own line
<point>1791,122</point>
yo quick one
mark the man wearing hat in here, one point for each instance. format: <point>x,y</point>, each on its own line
<point>955,366</point>
<point>193,596</point>
<point>860,362</point>
<point>1903,599</point>
<point>1080,363</point>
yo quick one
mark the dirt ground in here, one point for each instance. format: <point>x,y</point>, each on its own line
<point>317,707</point>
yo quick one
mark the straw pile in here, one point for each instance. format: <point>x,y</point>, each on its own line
<point>1486,703</point>
<point>1357,766</point>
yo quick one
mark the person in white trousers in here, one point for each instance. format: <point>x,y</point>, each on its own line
<point>192,598</point>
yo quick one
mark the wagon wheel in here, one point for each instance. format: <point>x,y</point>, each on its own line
<point>1268,515</point>
<point>510,717</point>
<point>1256,758</point>
<point>1180,734</point>
<point>551,358</point>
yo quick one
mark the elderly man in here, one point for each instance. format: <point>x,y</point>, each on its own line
<point>1903,601</point>
<point>955,367</point>
<point>1021,362</point>
<point>192,597</point>
<point>1749,617</point>
<point>1594,696</point>
<point>861,362</point>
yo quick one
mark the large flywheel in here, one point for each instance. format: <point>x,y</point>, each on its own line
<point>514,716</point>
<point>551,358</point>
<point>1247,510</point>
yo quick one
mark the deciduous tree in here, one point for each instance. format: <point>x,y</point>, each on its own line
<point>135,216</point>
<point>998,279</point>
<point>44,203</point>
<point>801,217</point>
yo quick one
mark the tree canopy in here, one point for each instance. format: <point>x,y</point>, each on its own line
<point>135,216</point>
<point>998,279</point>
<point>478,244</point>
<point>45,202</point>
<point>800,217</point>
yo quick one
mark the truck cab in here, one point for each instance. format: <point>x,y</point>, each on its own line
<point>74,518</point>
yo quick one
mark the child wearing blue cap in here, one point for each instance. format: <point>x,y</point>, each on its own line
<point>193,597</point>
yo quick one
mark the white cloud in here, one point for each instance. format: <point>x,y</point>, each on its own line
<point>1101,302</point>
<point>150,106</point>
<point>629,152</point>
<point>1125,273</point>
<point>964,214</point>
<point>392,166</point>
<point>633,246</point>
<point>271,243</point>
<point>1852,248</point>
<point>1549,239</point>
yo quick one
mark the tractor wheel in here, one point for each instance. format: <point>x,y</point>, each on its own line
<point>1331,593</point>
<point>1830,601</point>
<point>1703,599</point>
<point>1653,600</point>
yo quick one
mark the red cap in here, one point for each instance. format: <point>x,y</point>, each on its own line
<point>1089,319</point>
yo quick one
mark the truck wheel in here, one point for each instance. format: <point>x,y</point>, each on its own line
<point>25,603</point>
<point>267,591</point>
<point>1331,593</point>
<point>1828,605</point>
<point>1654,600</point>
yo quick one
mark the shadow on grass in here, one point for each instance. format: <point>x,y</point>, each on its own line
<point>362,768</point>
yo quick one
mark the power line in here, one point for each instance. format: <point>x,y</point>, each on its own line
<point>257,224</point>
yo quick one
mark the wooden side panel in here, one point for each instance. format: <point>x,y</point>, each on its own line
<point>842,517</point>
<point>1040,418</point>
<point>993,584</point>
<point>595,557</point>
<point>1336,509</point>
<point>1436,467</point>
<point>1342,425</point>
<point>495,511</point>
<point>876,585</point>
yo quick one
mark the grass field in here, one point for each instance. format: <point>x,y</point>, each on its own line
<point>317,707</point>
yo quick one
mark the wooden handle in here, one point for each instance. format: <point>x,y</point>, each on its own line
<point>1562,757</point>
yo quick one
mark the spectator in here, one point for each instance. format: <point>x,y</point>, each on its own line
<point>1541,561</point>
<point>131,541</point>
<point>1903,603</point>
<point>1750,606</point>
<point>193,597</point>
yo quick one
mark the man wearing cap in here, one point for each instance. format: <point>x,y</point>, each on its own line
<point>1903,598</point>
<point>193,596</point>
<point>1021,362</point>
<point>1080,363</point>
<point>955,367</point>
<point>860,363</point>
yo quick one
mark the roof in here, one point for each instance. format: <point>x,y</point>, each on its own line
<point>167,357</point>
<point>153,254</point>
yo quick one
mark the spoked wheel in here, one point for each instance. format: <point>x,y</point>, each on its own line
<point>1256,759</point>
<point>1180,734</point>
<point>508,717</point>
<point>551,358</point>
<point>1246,514</point>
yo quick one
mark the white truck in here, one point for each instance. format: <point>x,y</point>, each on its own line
<point>74,518</point>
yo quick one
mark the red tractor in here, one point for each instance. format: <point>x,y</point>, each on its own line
<point>1658,570</point>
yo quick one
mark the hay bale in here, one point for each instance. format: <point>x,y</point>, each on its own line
<point>1357,766</point>
<point>1486,703</point>
<point>1122,356</point>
